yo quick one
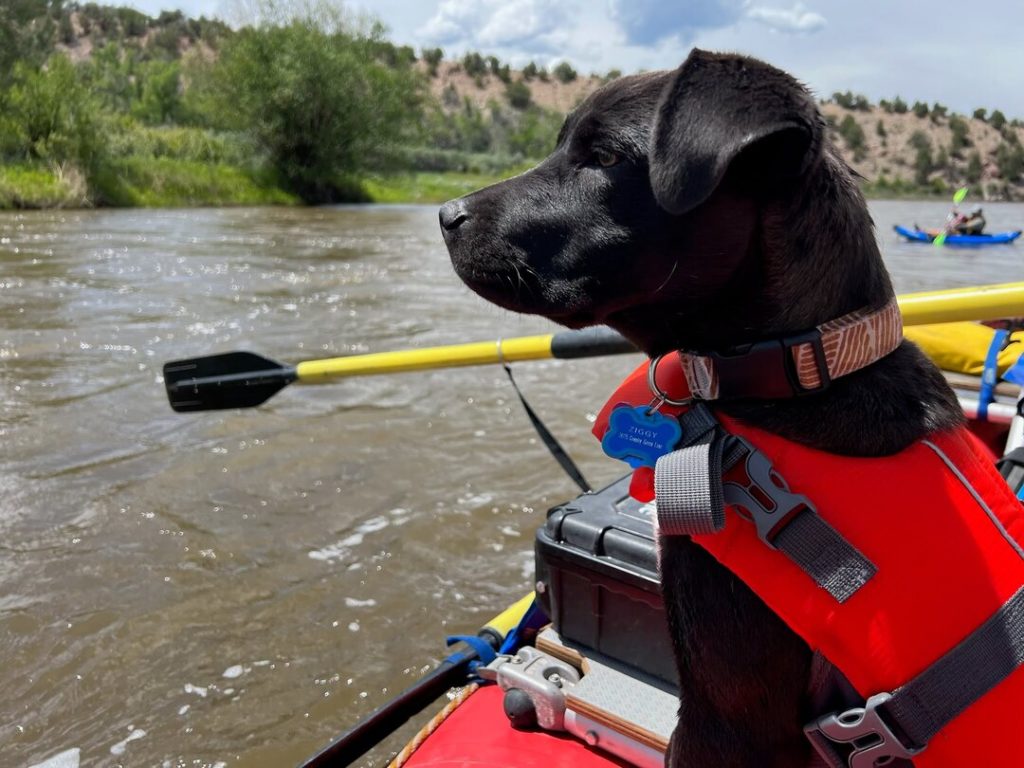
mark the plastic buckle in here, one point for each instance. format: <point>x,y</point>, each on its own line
<point>765,498</point>
<point>858,738</point>
<point>765,369</point>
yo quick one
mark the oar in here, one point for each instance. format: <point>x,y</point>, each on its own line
<point>386,719</point>
<point>245,379</point>
<point>958,198</point>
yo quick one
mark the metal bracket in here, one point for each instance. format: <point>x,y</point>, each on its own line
<point>541,677</point>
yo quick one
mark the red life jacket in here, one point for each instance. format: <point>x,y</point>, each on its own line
<point>944,531</point>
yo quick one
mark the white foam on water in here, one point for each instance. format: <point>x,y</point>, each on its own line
<point>340,549</point>
<point>352,602</point>
<point>232,672</point>
<point>69,758</point>
<point>119,748</point>
<point>184,709</point>
<point>197,690</point>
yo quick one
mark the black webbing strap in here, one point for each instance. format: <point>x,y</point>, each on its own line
<point>900,725</point>
<point>549,440</point>
<point>691,500</point>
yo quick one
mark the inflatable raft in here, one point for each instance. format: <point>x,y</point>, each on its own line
<point>586,678</point>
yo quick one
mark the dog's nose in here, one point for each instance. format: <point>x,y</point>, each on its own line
<point>452,215</point>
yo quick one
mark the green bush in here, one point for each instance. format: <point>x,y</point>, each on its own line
<point>974,168</point>
<point>474,65</point>
<point>316,101</point>
<point>432,57</point>
<point>852,134</point>
<point>564,72</point>
<point>997,119</point>
<point>48,114</point>
<point>980,113</point>
<point>959,141</point>
<point>518,94</point>
<point>920,109</point>
<point>899,106</point>
<point>1010,161</point>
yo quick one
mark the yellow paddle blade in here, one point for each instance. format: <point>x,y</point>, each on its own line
<point>958,198</point>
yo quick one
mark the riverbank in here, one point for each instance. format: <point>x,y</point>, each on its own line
<point>171,183</point>
<point>166,183</point>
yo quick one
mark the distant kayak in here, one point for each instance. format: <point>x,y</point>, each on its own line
<point>926,236</point>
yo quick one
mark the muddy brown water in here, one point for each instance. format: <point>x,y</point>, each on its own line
<point>235,588</point>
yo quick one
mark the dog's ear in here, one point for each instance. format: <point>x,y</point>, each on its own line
<point>721,111</point>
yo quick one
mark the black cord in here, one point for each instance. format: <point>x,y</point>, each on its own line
<point>552,444</point>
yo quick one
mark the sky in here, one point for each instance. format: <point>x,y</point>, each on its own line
<point>962,54</point>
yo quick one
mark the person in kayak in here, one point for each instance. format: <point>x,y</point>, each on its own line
<point>973,223</point>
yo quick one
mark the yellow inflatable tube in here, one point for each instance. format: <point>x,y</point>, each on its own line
<point>962,347</point>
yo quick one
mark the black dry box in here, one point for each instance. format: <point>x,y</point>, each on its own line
<point>598,580</point>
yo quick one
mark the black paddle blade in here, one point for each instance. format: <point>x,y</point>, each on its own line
<point>231,380</point>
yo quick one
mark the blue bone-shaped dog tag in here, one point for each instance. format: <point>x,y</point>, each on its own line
<point>638,435</point>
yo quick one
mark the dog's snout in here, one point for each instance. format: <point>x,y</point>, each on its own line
<point>453,214</point>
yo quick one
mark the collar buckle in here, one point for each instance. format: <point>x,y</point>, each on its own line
<point>767,370</point>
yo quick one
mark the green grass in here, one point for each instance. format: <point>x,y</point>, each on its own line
<point>30,185</point>
<point>167,182</point>
<point>429,187</point>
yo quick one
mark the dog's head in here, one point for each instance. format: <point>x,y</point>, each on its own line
<point>665,192</point>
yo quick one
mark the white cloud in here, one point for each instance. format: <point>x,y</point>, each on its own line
<point>530,25</point>
<point>793,20</point>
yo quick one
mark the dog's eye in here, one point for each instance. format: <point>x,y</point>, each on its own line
<point>605,158</point>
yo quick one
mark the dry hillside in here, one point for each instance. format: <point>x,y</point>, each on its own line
<point>887,154</point>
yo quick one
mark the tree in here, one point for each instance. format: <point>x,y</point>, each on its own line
<point>27,31</point>
<point>959,141</point>
<point>518,94</point>
<point>49,114</point>
<point>474,64</point>
<point>979,114</point>
<point>432,57</point>
<point>997,119</point>
<point>974,168</point>
<point>920,109</point>
<point>853,135</point>
<point>564,72</point>
<point>1010,161</point>
<point>899,106</point>
<point>529,71</point>
<point>159,100</point>
<point>316,100</point>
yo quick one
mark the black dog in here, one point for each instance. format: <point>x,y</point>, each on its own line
<point>700,209</point>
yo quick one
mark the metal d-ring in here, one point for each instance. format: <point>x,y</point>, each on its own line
<point>660,395</point>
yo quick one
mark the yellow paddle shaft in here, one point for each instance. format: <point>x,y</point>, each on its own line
<point>978,303</point>
<point>476,353</point>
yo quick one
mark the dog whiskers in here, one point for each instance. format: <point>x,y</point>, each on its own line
<point>671,272</point>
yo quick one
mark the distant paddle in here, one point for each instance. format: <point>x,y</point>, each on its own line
<point>957,199</point>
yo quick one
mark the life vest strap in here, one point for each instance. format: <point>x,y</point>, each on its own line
<point>900,725</point>
<point>692,496</point>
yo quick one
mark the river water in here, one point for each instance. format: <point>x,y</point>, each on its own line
<point>235,588</point>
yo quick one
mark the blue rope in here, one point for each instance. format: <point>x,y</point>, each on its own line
<point>989,376</point>
<point>484,652</point>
